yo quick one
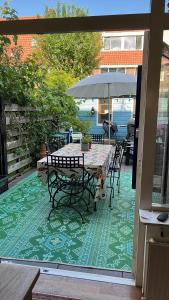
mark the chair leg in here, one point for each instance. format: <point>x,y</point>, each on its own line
<point>53,208</point>
<point>112,190</point>
<point>110,198</point>
<point>119,183</point>
<point>52,199</point>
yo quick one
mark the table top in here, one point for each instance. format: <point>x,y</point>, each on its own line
<point>17,281</point>
<point>94,157</point>
<point>98,157</point>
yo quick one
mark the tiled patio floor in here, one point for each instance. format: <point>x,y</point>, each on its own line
<point>105,240</point>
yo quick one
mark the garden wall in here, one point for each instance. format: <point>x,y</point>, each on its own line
<point>18,155</point>
<point>18,140</point>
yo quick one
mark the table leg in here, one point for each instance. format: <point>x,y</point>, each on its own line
<point>95,206</point>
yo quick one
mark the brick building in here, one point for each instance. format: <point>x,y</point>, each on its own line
<point>121,52</point>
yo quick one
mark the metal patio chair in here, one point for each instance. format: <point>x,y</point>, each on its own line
<point>115,170</point>
<point>54,144</point>
<point>68,183</point>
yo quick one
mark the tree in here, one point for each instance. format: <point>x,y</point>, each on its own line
<point>8,13</point>
<point>52,98</point>
<point>74,53</point>
<point>28,84</point>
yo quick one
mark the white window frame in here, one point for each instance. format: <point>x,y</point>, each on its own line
<point>122,43</point>
<point>118,66</point>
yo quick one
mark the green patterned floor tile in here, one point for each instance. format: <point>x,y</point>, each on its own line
<point>105,240</point>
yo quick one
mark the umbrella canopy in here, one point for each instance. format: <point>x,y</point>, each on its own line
<point>105,85</point>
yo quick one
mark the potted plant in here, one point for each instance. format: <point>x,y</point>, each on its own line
<point>86,142</point>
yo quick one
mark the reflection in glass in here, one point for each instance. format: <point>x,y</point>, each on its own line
<point>161,181</point>
<point>115,43</point>
<point>166,6</point>
<point>130,42</point>
<point>104,109</point>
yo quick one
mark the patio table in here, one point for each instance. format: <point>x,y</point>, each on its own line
<point>96,162</point>
<point>17,281</point>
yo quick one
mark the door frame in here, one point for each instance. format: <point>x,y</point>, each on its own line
<point>154,22</point>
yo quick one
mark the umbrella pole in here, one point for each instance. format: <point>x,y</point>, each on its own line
<point>109,109</point>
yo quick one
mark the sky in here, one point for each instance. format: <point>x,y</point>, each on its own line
<point>95,7</point>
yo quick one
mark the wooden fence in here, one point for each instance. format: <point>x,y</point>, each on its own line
<point>18,153</point>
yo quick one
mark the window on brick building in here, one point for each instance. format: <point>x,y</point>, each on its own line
<point>104,70</point>
<point>132,42</point>
<point>103,110</point>
<point>123,43</point>
<point>112,43</point>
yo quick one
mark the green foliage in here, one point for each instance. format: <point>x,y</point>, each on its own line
<point>74,53</point>
<point>63,10</point>
<point>6,12</point>
<point>82,126</point>
<point>38,129</point>
<point>86,139</point>
<point>19,80</point>
<point>52,99</point>
<point>41,81</point>
<point>59,79</point>
<point>65,58</point>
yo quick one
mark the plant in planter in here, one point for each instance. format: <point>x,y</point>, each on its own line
<point>86,143</point>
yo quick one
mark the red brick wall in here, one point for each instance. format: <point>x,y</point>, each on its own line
<point>121,57</point>
<point>25,42</point>
<point>106,57</point>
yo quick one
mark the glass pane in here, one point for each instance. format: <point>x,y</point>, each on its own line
<point>122,70</point>
<point>104,70</point>
<point>139,40</point>
<point>166,6</point>
<point>107,43</point>
<point>160,186</point>
<point>115,43</point>
<point>129,42</point>
<point>112,69</point>
<point>103,110</point>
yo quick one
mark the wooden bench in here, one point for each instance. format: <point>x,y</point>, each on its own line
<point>17,281</point>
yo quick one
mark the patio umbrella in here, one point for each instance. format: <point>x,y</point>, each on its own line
<point>105,85</point>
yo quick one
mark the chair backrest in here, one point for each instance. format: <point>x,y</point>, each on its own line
<point>118,157</point>
<point>67,167</point>
<point>97,138</point>
<point>71,162</point>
